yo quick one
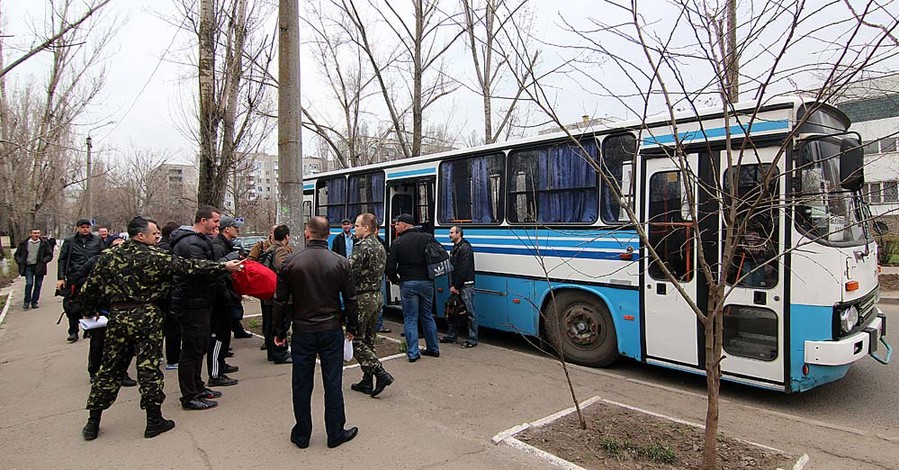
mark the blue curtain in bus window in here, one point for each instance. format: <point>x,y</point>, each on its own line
<point>567,185</point>
<point>354,199</point>
<point>445,209</point>
<point>481,211</point>
<point>376,195</point>
<point>336,199</point>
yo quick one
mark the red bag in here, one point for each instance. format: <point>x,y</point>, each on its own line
<point>255,280</point>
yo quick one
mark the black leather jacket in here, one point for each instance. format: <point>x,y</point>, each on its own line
<point>192,292</point>
<point>310,284</point>
<point>75,252</point>
<point>462,259</point>
<point>406,260</point>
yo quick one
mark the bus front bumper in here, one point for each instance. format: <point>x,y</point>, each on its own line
<point>852,348</point>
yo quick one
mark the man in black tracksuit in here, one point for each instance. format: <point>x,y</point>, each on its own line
<point>75,253</point>
<point>192,301</point>
<point>223,308</point>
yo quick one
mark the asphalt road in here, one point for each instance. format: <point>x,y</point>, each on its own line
<point>865,399</point>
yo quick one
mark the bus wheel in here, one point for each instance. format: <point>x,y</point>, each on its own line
<point>582,328</point>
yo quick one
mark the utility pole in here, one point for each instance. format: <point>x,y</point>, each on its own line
<point>290,146</point>
<point>88,192</point>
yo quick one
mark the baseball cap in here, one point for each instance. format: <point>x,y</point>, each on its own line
<point>346,221</point>
<point>83,221</point>
<point>229,222</point>
<point>405,218</point>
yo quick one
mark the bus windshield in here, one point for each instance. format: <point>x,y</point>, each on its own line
<point>826,212</point>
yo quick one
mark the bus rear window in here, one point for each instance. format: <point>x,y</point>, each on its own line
<point>470,190</point>
<point>554,184</point>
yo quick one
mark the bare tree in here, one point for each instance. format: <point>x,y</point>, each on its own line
<point>423,39</point>
<point>37,146</point>
<point>131,186</point>
<point>234,107</point>
<point>684,56</point>
<point>484,25</point>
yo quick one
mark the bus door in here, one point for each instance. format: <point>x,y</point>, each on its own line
<point>670,325</point>
<point>409,196</point>
<point>754,308</point>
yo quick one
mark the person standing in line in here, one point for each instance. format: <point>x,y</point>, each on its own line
<point>223,309</point>
<point>192,301</point>
<point>408,267</point>
<point>462,284</point>
<point>316,279</point>
<point>133,277</point>
<point>274,257</point>
<point>32,256</point>
<point>367,263</point>
<point>343,242</point>
<point>75,252</point>
<point>171,325</point>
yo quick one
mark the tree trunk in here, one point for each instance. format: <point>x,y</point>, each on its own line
<point>713,346</point>
<point>208,192</point>
<point>417,72</point>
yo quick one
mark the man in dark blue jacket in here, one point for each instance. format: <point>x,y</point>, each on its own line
<point>192,301</point>
<point>32,256</point>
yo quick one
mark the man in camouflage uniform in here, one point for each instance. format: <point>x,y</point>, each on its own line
<point>134,277</point>
<point>367,263</point>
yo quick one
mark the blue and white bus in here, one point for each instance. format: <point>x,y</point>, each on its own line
<point>801,304</point>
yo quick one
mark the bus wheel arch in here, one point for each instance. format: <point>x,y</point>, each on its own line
<point>586,333</point>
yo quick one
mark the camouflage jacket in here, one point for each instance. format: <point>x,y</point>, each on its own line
<point>134,272</point>
<point>367,263</point>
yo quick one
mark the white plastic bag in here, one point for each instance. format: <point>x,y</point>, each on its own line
<point>347,350</point>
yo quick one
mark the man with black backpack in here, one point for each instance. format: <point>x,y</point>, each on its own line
<point>407,265</point>
<point>273,258</point>
<point>462,284</point>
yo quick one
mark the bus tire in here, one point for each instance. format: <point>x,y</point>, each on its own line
<point>583,331</point>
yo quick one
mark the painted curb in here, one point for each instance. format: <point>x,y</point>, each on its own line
<point>6,306</point>
<point>507,437</point>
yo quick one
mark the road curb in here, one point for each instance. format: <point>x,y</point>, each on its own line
<point>6,306</point>
<point>892,300</point>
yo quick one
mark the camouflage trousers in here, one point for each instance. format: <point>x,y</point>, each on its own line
<point>368,304</point>
<point>140,328</point>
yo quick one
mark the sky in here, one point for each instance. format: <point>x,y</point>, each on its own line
<point>143,102</point>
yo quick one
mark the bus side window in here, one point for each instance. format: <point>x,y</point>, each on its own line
<point>670,233</point>
<point>331,199</point>
<point>470,190</point>
<point>617,163</point>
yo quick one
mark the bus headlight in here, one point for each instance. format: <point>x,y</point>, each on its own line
<point>848,319</point>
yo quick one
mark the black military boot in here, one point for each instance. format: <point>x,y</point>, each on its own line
<point>92,428</point>
<point>156,424</point>
<point>383,380</point>
<point>365,385</point>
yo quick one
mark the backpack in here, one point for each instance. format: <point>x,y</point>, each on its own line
<point>267,259</point>
<point>437,258</point>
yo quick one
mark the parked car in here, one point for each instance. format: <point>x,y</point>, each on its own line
<point>245,242</point>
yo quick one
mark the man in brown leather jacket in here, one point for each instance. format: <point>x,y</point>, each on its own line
<point>315,279</point>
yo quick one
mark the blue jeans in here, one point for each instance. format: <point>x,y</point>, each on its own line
<point>327,345</point>
<point>32,285</point>
<point>467,294</point>
<point>418,304</point>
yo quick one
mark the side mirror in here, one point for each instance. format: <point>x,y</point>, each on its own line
<point>880,228</point>
<point>852,161</point>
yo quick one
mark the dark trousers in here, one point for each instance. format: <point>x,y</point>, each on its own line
<point>272,351</point>
<point>328,346</point>
<point>220,341</point>
<point>194,342</point>
<point>172,332</point>
<point>95,352</point>
<point>72,306</point>
<point>32,285</point>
